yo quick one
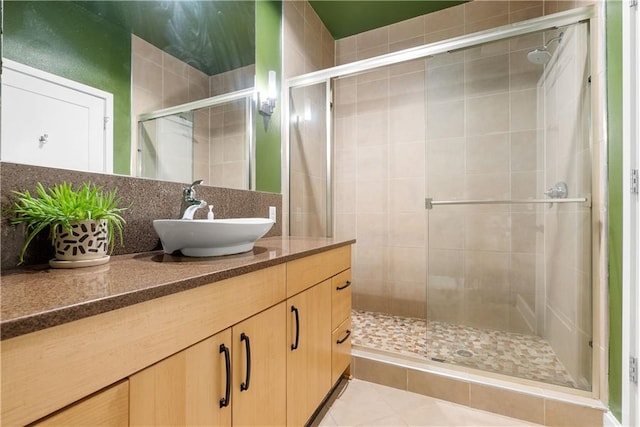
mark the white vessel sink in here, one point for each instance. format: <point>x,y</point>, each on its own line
<point>205,237</point>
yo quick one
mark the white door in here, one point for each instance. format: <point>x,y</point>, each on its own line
<point>54,122</point>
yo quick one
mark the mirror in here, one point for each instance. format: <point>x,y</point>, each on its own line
<point>150,55</point>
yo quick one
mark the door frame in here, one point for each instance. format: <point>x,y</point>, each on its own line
<point>630,209</point>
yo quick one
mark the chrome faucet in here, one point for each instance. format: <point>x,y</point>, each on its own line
<point>190,204</point>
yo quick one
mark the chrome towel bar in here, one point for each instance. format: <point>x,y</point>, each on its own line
<point>429,203</point>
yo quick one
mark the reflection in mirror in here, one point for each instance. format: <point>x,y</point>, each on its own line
<point>212,36</point>
<point>148,55</point>
<point>165,148</point>
<point>210,139</point>
<point>188,125</point>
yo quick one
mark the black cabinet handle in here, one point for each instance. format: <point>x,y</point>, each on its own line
<point>345,337</point>
<point>294,346</point>
<point>247,345</point>
<point>227,363</point>
<point>346,285</point>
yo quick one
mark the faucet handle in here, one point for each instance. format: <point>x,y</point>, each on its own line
<point>198,182</point>
<point>189,191</point>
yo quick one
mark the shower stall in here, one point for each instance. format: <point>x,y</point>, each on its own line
<point>464,170</point>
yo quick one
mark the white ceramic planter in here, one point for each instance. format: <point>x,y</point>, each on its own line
<point>87,240</point>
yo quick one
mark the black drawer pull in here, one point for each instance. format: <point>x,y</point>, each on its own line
<point>346,285</point>
<point>247,345</point>
<point>345,337</point>
<point>294,346</point>
<point>227,363</point>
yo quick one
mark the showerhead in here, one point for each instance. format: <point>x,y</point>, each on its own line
<point>541,55</point>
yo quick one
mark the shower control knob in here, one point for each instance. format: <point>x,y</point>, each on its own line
<point>558,191</point>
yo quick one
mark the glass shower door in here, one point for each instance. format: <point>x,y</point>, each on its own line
<point>211,140</point>
<point>166,147</point>
<point>509,278</point>
<point>309,162</point>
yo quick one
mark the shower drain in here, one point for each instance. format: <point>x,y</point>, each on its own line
<point>464,353</point>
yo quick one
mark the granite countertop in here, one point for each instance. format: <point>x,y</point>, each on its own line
<point>40,297</point>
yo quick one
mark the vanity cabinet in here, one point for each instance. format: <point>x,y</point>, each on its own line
<point>313,366</point>
<point>238,374</point>
<point>106,408</point>
<point>167,360</point>
<point>308,352</point>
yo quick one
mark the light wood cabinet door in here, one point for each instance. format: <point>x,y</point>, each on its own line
<point>107,408</point>
<point>259,369</point>
<point>308,352</point>
<point>341,354</point>
<point>186,388</point>
<point>340,298</point>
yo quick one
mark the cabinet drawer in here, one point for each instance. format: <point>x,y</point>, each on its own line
<point>340,298</point>
<point>341,352</point>
<point>306,272</point>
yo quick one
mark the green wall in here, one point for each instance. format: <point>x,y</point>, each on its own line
<point>96,53</point>
<point>614,118</point>
<point>268,57</point>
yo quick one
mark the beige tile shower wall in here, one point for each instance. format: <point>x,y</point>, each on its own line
<point>386,118</point>
<point>160,80</point>
<point>233,80</point>
<point>225,161</point>
<point>481,139</point>
<point>379,184</point>
<point>220,149</point>
<point>382,209</point>
<point>308,46</point>
<point>308,166</point>
<point>568,301</point>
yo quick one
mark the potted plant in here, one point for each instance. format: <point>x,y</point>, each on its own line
<point>82,222</point>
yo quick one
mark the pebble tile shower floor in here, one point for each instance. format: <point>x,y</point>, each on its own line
<point>519,355</point>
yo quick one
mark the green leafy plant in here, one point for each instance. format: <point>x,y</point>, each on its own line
<point>62,205</point>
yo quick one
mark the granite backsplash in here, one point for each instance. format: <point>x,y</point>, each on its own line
<point>151,200</point>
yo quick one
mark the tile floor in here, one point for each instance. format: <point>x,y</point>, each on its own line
<point>519,355</point>
<point>363,403</point>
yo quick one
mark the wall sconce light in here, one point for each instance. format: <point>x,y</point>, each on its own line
<point>267,102</point>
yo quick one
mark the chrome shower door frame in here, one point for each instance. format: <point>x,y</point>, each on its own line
<point>573,16</point>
